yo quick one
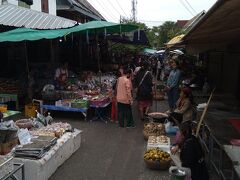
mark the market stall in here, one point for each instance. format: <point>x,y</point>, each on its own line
<point>42,169</point>
<point>80,94</point>
<point>157,155</point>
<point>38,145</point>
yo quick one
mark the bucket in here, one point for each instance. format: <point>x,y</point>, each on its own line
<point>178,174</point>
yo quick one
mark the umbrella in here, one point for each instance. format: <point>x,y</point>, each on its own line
<point>177,51</point>
<point>175,40</point>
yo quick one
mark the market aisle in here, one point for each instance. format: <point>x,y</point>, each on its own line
<point>108,152</point>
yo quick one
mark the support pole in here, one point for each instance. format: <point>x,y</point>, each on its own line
<point>203,114</point>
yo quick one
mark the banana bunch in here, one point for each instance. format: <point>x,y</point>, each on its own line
<point>156,154</point>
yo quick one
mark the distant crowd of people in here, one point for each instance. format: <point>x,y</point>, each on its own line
<point>139,80</point>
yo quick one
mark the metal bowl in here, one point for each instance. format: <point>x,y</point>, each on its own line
<point>158,117</point>
<point>178,173</point>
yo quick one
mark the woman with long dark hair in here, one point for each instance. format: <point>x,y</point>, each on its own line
<point>192,154</point>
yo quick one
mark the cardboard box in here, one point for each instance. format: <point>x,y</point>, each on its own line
<point>5,148</point>
<point>30,110</point>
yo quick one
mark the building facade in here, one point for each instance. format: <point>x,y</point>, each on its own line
<point>47,6</point>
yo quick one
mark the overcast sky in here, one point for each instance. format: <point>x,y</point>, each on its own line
<point>152,12</point>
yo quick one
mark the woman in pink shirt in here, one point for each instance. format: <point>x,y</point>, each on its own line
<point>125,99</point>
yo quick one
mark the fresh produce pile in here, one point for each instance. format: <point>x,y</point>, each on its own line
<point>99,100</point>
<point>79,103</point>
<point>157,159</point>
<point>157,155</point>
<point>153,129</point>
<point>158,139</point>
<point>56,129</point>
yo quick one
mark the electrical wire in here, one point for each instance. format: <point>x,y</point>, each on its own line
<point>186,7</point>
<point>114,7</point>
<point>112,16</point>
<point>191,6</point>
<point>151,21</point>
<point>122,8</point>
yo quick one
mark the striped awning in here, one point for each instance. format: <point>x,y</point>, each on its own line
<point>11,15</point>
<point>175,40</point>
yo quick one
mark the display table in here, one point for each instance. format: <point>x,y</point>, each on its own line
<point>64,108</point>
<point>43,168</point>
<point>100,113</point>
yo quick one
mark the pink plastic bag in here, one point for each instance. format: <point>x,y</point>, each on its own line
<point>178,138</point>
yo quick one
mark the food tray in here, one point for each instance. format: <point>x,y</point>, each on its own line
<point>6,165</point>
<point>155,142</point>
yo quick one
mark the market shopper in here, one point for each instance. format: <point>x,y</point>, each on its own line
<point>191,153</point>
<point>61,75</point>
<point>144,93</point>
<point>159,69</point>
<point>124,99</point>
<point>172,86</point>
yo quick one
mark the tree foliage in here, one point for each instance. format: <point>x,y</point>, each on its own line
<point>130,21</point>
<point>157,35</point>
<point>160,35</point>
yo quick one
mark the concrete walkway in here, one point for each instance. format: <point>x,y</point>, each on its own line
<point>108,152</point>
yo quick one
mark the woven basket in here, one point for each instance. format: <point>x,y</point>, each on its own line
<point>157,165</point>
<point>24,123</point>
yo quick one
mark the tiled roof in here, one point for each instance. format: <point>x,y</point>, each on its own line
<point>181,23</point>
<point>11,15</point>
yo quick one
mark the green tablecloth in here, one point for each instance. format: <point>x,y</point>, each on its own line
<point>10,114</point>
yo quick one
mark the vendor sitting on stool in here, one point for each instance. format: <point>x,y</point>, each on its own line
<point>184,107</point>
<point>61,75</point>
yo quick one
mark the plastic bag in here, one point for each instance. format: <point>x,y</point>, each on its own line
<point>169,128</point>
<point>168,125</point>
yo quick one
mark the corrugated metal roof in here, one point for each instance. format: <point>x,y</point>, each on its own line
<point>88,6</point>
<point>11,15</point>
